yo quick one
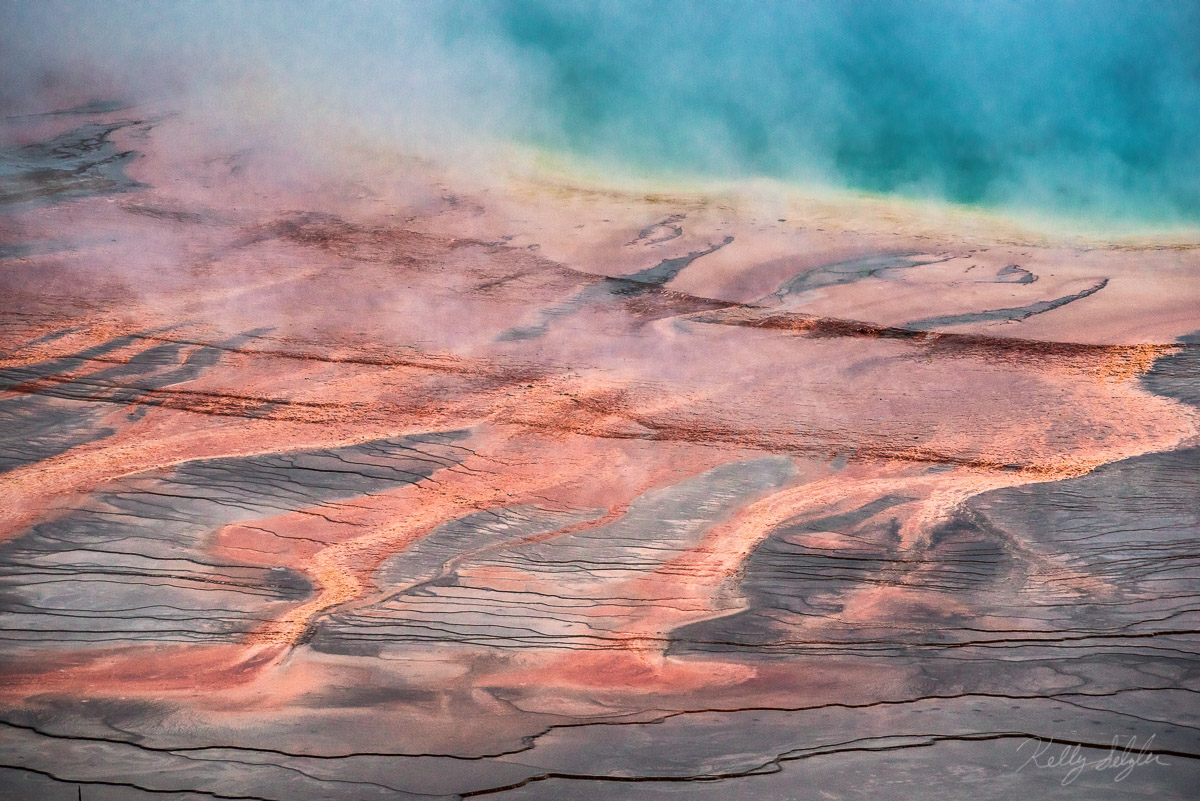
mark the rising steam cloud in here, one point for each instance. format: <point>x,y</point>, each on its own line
<point>1084,109</point>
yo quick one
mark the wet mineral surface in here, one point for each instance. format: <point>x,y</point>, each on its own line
<point>409,485</point>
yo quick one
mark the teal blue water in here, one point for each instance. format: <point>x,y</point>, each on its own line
<point>1082,109</point>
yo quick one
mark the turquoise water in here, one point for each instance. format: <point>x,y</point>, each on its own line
<point>1088,109</point>
<point>1084,109</point>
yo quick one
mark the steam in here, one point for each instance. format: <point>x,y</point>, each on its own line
<point>1088,109</point>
